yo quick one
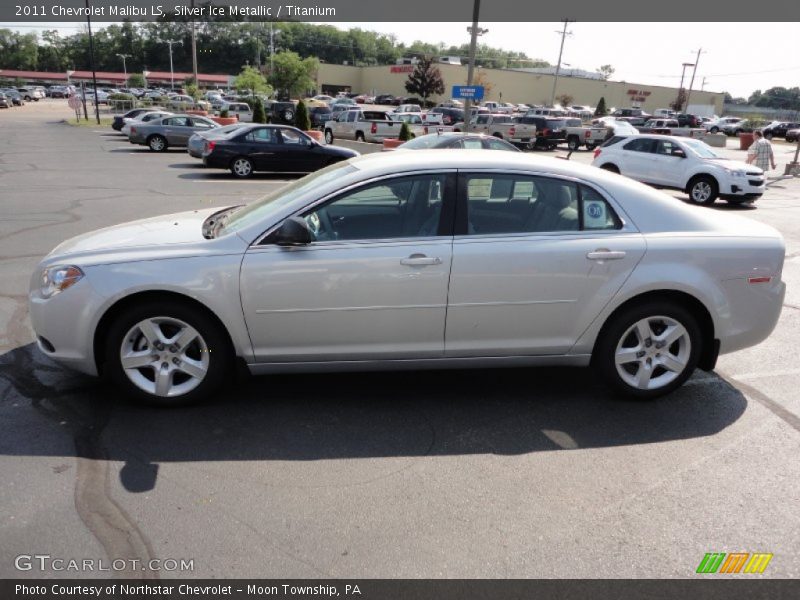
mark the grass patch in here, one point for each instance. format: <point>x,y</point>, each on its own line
<point>92,122</point>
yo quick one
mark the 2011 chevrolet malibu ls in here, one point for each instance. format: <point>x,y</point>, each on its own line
<point>442,258</point>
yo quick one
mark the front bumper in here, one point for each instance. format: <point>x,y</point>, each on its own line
<point>64,324</point>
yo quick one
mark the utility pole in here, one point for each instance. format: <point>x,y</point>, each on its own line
<point>124,66</point>
<point>703,85</point>
<point>194,49</point>
<point>697,60</point>
<point>474,31</point>
<point>680,88</point>
<point>171,71</point>
<point>91,60</point>
<point>564,33</point>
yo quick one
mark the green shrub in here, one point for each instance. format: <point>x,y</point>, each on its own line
<point>301,119</point>
<point>224,113</point>
<point>259,116</point>
<point>405,132</point>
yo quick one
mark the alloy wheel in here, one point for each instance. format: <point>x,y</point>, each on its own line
<point>653,352</point>
<point>164,356</point>
<point>242,167</point>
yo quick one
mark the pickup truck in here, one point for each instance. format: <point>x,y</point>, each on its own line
<point>371,126</point>
<point>590,136</point>
<point>670,127</point>
<point>505,127</point>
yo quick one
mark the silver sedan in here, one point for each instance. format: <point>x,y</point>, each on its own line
<point>445,258</point>
<point>172,130</point>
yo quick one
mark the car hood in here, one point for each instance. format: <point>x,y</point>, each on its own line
<point>153,233</point>
<point>734,165</point>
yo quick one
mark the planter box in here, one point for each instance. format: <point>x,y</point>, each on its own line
<point>391,143</point>
<point>225,120</point>
<point>199,113</point>
<point>745,140</point>
<point>315,135</point>
<point>718,140</point>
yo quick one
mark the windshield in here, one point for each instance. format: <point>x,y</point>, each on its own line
<point>260,209</point>
<point>702,149</point>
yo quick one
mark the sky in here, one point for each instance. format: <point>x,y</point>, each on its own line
<point>728,61</point>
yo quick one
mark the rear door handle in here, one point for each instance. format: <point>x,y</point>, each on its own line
<point>604,254</point>
<point>420,260</point>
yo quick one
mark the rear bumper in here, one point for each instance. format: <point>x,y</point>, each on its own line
<point>753,312</point>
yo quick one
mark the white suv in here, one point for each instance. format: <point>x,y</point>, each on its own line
<point>718,124</point>
<point>682,164</point>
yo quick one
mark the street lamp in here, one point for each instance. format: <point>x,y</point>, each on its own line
<point>171,72</point>
<point>124,65</point>
<point>474,32</point>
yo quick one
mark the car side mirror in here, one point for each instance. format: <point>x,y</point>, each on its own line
<point>294,231</point>
<point>679,153</point>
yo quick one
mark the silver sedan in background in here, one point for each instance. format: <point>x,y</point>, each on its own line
<point>407,260</point>
<point>174,130</point>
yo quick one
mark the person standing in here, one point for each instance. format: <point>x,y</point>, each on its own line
<point>760,152</point>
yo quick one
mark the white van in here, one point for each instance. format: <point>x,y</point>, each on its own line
<point>241,110</point>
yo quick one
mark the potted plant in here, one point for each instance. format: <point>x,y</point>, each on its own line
<point>224,118</point>
<point>404,135</point>
<point>303,122</point>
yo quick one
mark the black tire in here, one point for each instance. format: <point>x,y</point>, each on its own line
<point>242,167</point>
<point>768,135</point>
<point>573,143</point>
<point>157,143</point>
<point>603,357</point>
<point>328,136</point>
<point>498,135</point>
<point>220,353</point>
<point>703,189</point>
<point>359,136</point>
<point>714,129</point>
<point>591,146</point>
<point>610,167</point>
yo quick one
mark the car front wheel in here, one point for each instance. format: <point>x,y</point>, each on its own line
<point>328,136</point>
<point>167,355</point>
<point>703,190</point>
<point>649,350</point>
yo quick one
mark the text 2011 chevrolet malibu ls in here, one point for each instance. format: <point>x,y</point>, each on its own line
<point>440,258</point>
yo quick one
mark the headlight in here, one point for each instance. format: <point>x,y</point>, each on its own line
<point>736,172</point>
<point>57,279</point>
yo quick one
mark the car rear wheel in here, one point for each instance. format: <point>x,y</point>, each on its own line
<point>573,143</point>
<point>768,135</point>
<point>157,143</point>
<point>703,190</point>
<point>649,349</point>
<point>359,136</point>
<point>714,129</point>
<point>167,355</point>
<point>328,136</point>
<point>610,167</point>
<point>242,167</point>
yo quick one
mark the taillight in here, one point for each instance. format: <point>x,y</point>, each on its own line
<point>133,129</point>
<point>597,152</point>
<point>759,279</point>
<point>210,146</point>
<point>425,129</point>
<point>374,128</point>
<point>545,131</point>
<point>587,133</point>
<point>512,131</point>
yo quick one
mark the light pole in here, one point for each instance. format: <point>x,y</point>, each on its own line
<point>194,48</point>
<point>680,89</point>
<point>124,65</point>
<point>474,31</point>
<point>171,71</point>
<point>91,60</point>
<point>563,35</point>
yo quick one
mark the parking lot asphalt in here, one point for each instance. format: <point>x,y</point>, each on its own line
<point>494,473</point>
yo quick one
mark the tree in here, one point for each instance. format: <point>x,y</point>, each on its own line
<point>301,117</point>
<point>251,80</point>
<point>679,101</point>
<point>601,110</point>
<point>565,100</point>
<point>606,71</point>
<point>136,80</point>
<point>259,116</point>
<point>293,76</point>
<point>425,80</point>
<point>482,79</point>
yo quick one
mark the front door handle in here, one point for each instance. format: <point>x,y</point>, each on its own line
<point>420,260</point>
<point>605,254</point>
